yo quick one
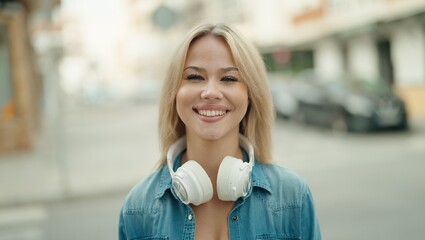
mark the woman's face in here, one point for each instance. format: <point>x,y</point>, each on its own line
<point>212,98</point>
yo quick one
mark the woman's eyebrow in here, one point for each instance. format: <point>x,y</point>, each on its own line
<point>199,69</point>
<point>194,68</point>
<point>228,69</point>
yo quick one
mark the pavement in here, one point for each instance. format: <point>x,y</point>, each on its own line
<point>83,151</point>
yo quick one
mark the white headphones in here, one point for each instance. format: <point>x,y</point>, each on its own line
<point>192,184</point>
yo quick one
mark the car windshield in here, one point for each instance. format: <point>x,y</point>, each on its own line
<point>339,89</point>
<point>374,87</point>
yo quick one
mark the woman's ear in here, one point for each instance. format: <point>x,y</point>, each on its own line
<point>242,127</point>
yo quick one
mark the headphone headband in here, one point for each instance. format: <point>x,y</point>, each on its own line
<point>173,151</point>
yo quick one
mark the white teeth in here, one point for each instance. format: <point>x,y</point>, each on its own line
<point>211,113</point>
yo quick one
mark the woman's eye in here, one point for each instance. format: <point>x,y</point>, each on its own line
<point>229,79</point>
<point>194,77</point>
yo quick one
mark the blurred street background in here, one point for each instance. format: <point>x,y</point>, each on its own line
<point>79,86</point>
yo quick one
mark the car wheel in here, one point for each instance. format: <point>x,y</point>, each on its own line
<point>404,125</point>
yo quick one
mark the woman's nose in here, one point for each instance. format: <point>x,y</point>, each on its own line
<point>211,90</point>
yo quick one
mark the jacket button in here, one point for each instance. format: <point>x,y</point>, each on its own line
<point>235,218</point>
<point>189,217</point>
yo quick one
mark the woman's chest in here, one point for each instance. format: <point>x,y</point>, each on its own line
<point>211,221</point>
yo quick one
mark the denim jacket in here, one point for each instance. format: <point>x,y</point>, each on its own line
<point>279,205</point>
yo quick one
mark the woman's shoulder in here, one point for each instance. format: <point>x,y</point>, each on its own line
<point>280,173</point>
<point>146,191</point>
<point>285,182</point>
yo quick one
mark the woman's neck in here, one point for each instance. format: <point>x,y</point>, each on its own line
<point>210,153</point>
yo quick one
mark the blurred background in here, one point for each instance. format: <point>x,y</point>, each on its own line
<point>79,87</point>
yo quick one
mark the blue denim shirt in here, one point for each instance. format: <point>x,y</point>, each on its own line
<point>279,205</point>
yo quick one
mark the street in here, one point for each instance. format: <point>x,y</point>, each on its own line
<point>365,186</point>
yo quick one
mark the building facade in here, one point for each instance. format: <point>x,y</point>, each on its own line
<point>373,39</point>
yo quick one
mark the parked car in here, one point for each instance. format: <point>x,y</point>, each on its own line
<point>285,90</point>
<point>352,105</point>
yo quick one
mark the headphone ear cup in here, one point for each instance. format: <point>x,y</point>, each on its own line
<point>192,184</point>
<point>233,179</point>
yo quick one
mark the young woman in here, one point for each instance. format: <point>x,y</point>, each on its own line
<point>216,179</point>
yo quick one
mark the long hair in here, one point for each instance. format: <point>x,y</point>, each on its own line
<point>258,121</point>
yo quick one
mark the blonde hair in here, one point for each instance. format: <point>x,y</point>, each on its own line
<point>258,121</point>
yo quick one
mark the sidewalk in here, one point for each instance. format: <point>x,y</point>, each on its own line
<point>86,151</point>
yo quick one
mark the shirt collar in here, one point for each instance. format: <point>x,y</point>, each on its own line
<point>259,178</point>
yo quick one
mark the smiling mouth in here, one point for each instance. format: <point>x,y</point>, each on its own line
<point>211,113</point>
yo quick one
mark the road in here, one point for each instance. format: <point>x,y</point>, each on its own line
<point>366,186</point>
